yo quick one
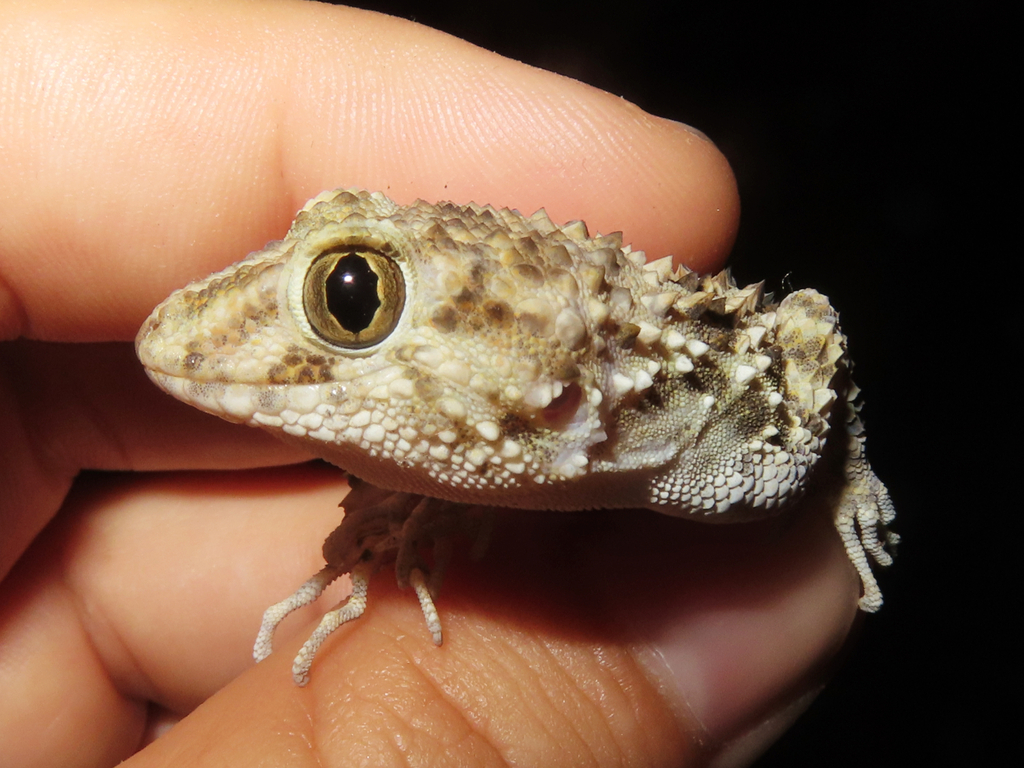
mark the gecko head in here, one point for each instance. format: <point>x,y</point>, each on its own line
<point>443,341</point>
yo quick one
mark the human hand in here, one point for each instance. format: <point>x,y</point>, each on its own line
<point>146,145</point>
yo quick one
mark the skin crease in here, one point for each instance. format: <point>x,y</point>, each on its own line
<point>148,144</point>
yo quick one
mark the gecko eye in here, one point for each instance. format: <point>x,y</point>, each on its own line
<point>353,297</point>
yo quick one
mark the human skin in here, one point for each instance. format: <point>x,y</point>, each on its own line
<point>145,145</point>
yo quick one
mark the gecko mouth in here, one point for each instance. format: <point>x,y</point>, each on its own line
<point>230,401</point>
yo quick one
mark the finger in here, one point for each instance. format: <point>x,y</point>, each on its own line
<point>155,143</point>
<point>743,624</point>
<point>621,634</point>
<point>148,588</point>
<point>64,407</point>
<point>145,147</point>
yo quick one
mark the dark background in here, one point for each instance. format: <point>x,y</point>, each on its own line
<point>865,148</point>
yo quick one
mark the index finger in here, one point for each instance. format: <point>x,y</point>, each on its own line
<point>147,147</point>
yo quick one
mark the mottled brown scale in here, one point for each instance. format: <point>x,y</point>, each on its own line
<point>428,387</point>
<point>277,374</point>
<point>625,335</point>
<point>445,318</point>
<point>499,313</point>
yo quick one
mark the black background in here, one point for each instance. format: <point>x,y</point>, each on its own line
<point>865,145</point>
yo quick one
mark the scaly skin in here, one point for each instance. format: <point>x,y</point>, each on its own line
<point>468,356</point>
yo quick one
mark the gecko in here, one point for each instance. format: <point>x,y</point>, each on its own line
<point>460,357</point>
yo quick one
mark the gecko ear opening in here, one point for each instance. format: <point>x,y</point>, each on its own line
<point>353,296</point>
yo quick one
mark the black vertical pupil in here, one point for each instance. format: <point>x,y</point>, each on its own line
<point>351,290</point>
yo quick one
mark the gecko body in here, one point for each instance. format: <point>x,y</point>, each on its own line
<point>455,356</point>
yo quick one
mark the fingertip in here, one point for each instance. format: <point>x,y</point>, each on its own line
<point>738,623</point>
<point>472,126</point>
